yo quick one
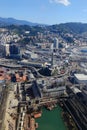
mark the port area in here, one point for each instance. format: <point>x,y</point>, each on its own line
<point>44,119</point>
<point>51,115</point>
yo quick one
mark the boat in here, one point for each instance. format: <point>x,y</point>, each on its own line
<point>37,115</point>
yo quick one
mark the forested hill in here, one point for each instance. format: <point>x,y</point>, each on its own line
<point>66,32</point>
<point>74,28</point>
<point>69,28</point>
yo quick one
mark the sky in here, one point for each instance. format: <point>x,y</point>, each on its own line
<point>45,11</point>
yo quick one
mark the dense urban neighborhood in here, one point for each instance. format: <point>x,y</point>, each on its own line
<point>42,66</point>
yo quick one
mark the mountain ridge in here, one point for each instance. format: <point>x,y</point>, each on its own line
<point>13,21</point>
<point>69,27</point>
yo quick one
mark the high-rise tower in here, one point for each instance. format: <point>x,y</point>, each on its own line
<point>56,43</point>
<point>7,50</point>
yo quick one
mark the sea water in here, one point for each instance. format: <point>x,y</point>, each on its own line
<point>51,120</point>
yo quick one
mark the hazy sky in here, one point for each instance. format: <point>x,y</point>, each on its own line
<point>45,11</point>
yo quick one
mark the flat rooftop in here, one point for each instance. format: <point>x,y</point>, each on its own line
<point>81,76</point>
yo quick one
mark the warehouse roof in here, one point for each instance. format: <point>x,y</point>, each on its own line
<point>76,90</point>
<point>81,76</point>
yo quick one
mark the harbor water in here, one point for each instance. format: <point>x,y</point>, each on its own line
<point>51,120</point>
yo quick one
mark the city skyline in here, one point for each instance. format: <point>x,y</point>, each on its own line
<point>46,11</point>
